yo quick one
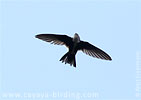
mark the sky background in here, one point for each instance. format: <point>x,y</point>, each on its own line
<point>29,65</point>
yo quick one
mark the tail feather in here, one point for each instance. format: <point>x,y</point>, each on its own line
<point>69,58</point>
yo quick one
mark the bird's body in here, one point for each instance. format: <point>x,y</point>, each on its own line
<point>74,44</point>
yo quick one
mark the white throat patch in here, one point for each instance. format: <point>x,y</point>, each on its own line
<point>76,38</point>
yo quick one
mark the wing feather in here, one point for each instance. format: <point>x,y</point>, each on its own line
<point>93,51</point>
<point>56,39</point>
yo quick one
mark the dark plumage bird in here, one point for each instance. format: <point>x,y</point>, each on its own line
<point>74,44</point>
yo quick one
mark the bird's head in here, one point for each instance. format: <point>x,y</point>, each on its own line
<point>76,38</point>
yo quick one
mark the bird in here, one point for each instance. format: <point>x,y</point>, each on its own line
<point>74,44</point>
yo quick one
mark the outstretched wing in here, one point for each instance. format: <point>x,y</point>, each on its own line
<point>56,39</point>
<point>91,50</point>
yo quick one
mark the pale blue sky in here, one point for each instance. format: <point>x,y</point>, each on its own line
<point>31,65</point>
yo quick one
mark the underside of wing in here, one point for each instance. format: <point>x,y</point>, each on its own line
<point>93,51</point>
<point>55,39</point>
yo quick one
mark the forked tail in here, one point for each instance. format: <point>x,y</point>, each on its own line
<point>69,58</point>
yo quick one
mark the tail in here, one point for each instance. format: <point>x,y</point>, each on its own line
<point>69,58</point>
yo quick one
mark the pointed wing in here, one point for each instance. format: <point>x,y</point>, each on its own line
<point>93,51</point>
<point>56,39</point>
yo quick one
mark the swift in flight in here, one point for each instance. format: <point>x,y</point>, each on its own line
<point>74,44</point>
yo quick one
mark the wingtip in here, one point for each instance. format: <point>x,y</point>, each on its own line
<point>110,59</point>
<point>37,36</point>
